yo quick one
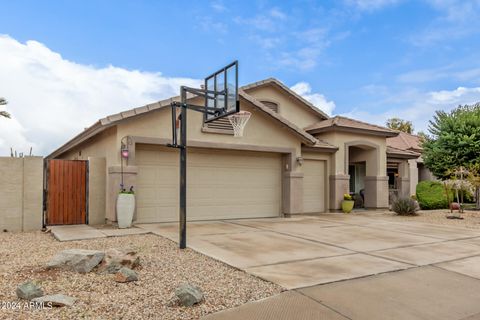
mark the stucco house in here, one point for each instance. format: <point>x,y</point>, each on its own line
<point>292,159</point>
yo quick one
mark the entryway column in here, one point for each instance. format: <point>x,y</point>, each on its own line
<point>114,181</point>
<point>376,192</point>
<point>339,185</point>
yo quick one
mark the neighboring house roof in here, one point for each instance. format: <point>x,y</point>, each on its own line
<point>350,125</point>
<point>399,153</point>
<point>405,141</point>
<point>289,91</point>
<point>114,119</point>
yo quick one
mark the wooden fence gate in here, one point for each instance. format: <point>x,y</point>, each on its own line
<point>66,192</point>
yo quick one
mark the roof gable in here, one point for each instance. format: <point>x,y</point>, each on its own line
<point>278,84</point>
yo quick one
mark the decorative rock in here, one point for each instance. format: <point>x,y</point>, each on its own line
<point>28,291</point>
<point>56,300</point>
<point>78,260</point>
<point>115,259</point>
<point>188,295</point>
<point>126,275</point>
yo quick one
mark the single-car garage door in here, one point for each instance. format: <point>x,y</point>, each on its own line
<point>220,184</point>
<point>314,186</point>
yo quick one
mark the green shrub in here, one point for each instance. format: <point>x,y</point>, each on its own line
<point>404,206</point>
<point>431,195</point>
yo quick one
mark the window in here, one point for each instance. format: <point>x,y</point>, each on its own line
<point>271,105</point>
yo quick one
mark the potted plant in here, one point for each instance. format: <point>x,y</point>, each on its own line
<point>347,203</point>
<point>125,207</point>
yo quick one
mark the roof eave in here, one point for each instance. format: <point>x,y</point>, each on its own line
<point>352,130</point>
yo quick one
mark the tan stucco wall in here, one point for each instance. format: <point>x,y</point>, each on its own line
<point>21,182</point>
<point>101,146</point>
<point>97,176</point>
<point>344,139</point>
<point>288,107</point>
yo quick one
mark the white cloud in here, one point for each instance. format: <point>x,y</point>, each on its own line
<point>51,99</point>
<point>419,107</point>
<point>305,90</point>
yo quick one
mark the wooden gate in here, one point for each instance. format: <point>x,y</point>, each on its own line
<point>66,192</point>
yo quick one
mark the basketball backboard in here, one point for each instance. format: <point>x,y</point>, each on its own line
<point>221,88</point>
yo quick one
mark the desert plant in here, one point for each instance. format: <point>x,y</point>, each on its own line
<point>404,206</point>
<point>431,195</point>
<point>347,197</point>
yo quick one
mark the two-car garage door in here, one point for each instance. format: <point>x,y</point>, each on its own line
<point>220,184</point>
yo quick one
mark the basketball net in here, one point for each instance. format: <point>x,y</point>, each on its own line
<point>238,121</point>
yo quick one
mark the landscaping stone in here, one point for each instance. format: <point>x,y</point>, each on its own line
<point>126,275</point>
<point>56,300</point>
<point>28,291</point>
<point>79,260</point>
<point>188,295</point>
<point>115,259</point>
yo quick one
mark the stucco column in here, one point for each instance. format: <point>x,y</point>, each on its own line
<point>114,181</point>
<point>292,192</point>
<point>403,179</point>
<point>339,185</point>
<point>376,192</point>
<point>413,168</point>
<point>96,190</point>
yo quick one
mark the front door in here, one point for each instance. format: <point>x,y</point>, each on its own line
<point>66,192</point>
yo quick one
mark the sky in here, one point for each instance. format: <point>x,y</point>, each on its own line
<point>65,64</point>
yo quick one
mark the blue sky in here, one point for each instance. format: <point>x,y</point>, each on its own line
<point>369,59</point>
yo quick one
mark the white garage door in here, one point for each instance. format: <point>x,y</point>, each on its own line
<point>220,184</point>
<point>314,186</point>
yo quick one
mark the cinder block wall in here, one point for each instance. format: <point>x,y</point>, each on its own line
<point>21,193</point>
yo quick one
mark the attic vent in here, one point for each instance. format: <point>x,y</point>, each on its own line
<point>220,124</point>
<point>271,105</point>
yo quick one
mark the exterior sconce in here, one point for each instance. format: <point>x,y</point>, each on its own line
<point>300,160</point>
<point>125,142</point>
<point>124,153</point>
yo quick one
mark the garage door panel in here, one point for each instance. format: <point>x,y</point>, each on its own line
<point>220,185</point>
<point>314,186</point>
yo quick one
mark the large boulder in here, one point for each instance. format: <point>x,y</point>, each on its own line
<point>56,300</point>
<point>28,291</point>
<point>115,259</point>
<point>79,260</point>
<point>188,295</point>
<point>126,275</point>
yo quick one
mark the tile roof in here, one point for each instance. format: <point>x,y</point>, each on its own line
<point>405,141</point>
<point>347,124</point>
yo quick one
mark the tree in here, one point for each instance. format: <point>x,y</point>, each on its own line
<point>400,125</point>
<point>5,114</point>
<point>454,140</point>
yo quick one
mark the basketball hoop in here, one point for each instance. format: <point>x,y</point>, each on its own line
<point>238,121</point>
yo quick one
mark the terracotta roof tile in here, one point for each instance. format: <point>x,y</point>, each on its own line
<point>405,141</point>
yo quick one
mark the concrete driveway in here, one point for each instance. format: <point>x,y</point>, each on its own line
<point>350,266</point>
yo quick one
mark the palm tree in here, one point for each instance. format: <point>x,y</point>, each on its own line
<point>3,102</point>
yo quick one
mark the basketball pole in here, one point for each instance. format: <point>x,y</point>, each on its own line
<point>183,171</point>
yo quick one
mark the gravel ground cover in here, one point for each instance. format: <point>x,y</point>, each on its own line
<point>163,268</point>
<point>471,218</point>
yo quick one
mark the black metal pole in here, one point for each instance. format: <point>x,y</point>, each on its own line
<point>183,171</point>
